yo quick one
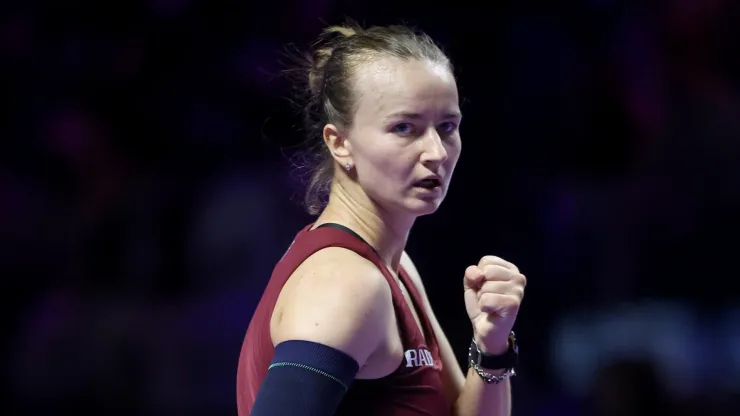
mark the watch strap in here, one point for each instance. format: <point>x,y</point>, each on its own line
<point>506,361</point>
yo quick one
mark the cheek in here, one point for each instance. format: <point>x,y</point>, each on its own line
<point>394,168</point>
<point>453,153</point>
<point>393,162</point>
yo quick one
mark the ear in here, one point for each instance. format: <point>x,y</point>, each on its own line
<point>339,146</point>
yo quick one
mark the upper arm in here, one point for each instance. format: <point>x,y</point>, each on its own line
<point>339,300</point>
<point>454,378</point>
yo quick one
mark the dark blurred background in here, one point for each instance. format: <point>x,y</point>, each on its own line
<point>146,195</point>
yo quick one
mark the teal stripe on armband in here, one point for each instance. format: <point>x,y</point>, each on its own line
<point>305,367</point>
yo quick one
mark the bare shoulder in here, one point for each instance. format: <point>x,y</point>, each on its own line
<point>336,298</point>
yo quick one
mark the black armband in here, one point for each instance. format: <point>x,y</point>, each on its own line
<point>305,379</point>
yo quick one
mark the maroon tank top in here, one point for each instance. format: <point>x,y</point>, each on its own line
<point>414,388</point>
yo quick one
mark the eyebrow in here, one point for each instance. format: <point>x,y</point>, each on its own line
<point>416,116</point>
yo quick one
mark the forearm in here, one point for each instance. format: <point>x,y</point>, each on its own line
<point>479,398</point>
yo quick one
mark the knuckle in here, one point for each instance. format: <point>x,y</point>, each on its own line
<point>514,302</point>
<point>491,270</point>
<point>487,298</point>
<point>494,287</point>
<point>521,279</point>
<point>490,260</point>
<point>472,270</point>
<point>496,260</point>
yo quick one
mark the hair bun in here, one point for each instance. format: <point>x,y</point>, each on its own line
<point>324,48</point>
<point>341,31</point>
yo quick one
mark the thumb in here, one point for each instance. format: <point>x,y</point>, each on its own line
<point>474,278</point>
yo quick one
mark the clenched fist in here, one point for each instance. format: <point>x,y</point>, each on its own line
<point>494,289</point>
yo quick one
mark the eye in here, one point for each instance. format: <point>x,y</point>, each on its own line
<point>448,127</point>
<point>403,129</point>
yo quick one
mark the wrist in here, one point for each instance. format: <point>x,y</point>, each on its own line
<point>492,367</point>
<point>492,347</point>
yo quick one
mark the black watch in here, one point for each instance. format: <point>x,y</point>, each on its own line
<point>505,361</point>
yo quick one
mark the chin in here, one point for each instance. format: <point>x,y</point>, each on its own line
<point>421,207</point>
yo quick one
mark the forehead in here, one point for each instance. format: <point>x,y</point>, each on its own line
<point>390,85</point>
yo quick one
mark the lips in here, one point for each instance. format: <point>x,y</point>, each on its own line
<point>429,183</point>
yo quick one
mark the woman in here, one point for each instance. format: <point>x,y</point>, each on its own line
<point>344,326</point>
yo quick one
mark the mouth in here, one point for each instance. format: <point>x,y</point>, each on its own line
<point>429,183</point>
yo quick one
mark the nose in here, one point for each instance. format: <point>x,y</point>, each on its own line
<point>435,152</point>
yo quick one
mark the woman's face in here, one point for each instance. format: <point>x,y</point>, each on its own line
<point>405,141</point>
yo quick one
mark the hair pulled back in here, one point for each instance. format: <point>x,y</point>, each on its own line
<point>329,72</point>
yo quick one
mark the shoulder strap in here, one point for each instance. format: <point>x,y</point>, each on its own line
<point>346,230</point>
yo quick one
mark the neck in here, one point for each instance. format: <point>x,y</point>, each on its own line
<point>385,232</point>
